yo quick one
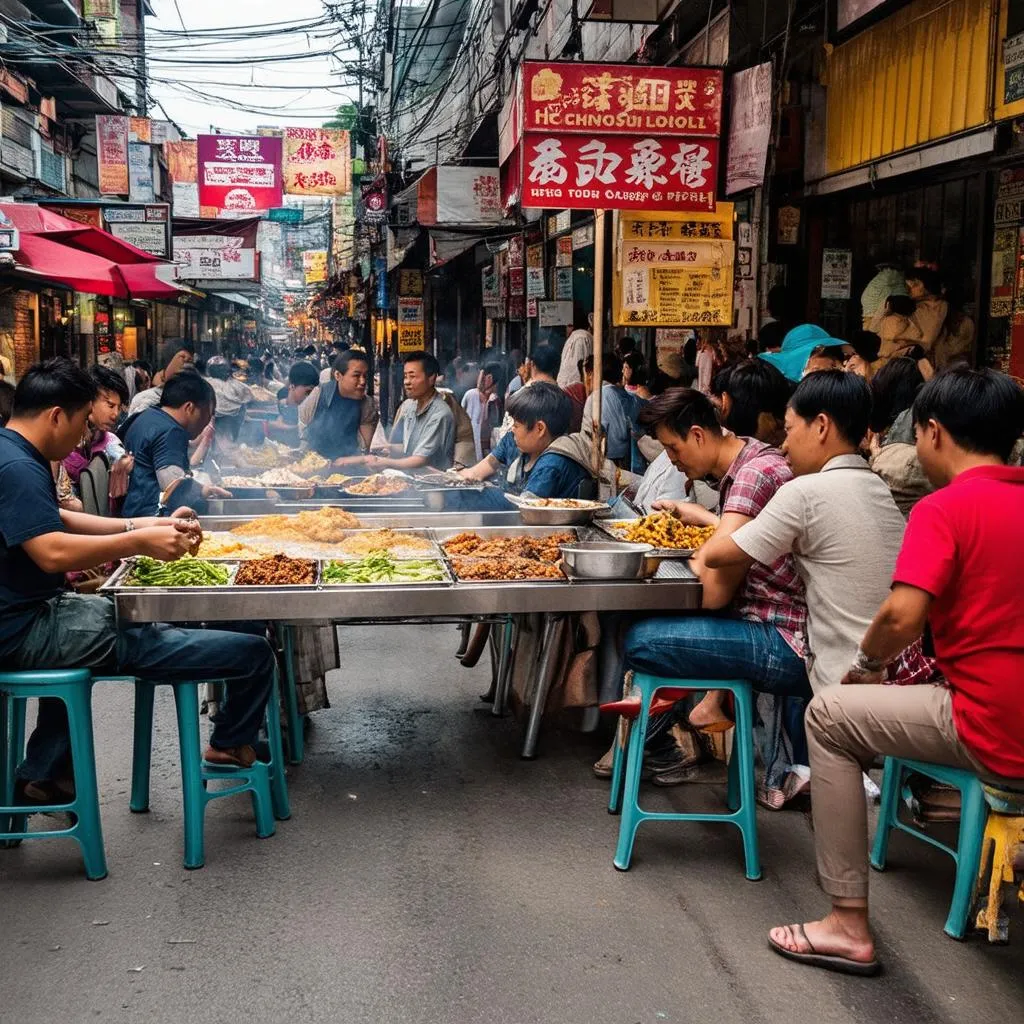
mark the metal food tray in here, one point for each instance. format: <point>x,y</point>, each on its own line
<point>447,581</point>
<point>435,551</point>
<point>534,580</point>
<point>269,493</point>
<point>116,583</point>
<point>488,532</point>
<point>283,587</point>
<point>608,527</point>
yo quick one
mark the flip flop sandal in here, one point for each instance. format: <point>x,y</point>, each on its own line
<point>723,724</point>
<point>827,962</point>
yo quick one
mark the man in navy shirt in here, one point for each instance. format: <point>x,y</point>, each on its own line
<point>158,439</point>
<point>44,626</point>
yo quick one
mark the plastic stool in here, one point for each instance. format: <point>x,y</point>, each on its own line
<point>657,695</point>
<point>296,737</point>
<point>966,856</point>
<point>74,688</point>
<point>1004,838</point>
<point>264,781</point>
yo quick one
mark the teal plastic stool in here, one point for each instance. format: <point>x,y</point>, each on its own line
<point>264,781</point>
<point>74,688</point>
<point>626,770</point>
<point>296,738</point>
<point>966,855</point>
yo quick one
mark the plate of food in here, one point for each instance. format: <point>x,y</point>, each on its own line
<point>379,485</point>
<point>280,481</point>
<point>556,511</point>
<point>670,537</point>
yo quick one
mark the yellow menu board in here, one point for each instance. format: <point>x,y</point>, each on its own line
<point>674,270</point>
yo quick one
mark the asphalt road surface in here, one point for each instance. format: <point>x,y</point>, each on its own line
<point>429,875</point>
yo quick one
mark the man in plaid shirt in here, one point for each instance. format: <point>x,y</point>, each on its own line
<point>756,621</point>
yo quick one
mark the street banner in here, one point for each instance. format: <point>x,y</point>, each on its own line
<point>535,287</point>
<point>619,172</point>
<point>750,128</point>
<point>632,99</point>
<point>314,265</point>
<point>674,270</point>
<point>181,160</point>
<point>239,174</point>
<point>317,162</point>
<point>145,227</point>
<point>140,173</point>
<point>214,250</point>
<point>410,283</point>
<point>140,129</point>
<point>459,195</point>
<point>112,154</point>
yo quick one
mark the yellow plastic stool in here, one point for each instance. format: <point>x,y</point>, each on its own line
<point>1004,838</point>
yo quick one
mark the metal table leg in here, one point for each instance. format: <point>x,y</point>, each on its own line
<point>554,631</point>
<point>509,642</point>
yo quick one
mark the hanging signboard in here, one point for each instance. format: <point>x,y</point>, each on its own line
<point>563,252</point>
<point>410,324</point>
<point>750,128</point>
<point>459,195</point>
<point>621,98</point>
<point>239,174</point>
<point>490,285</point>
<point>140,173</point>
<point>410,282</point>
<point>836,273</point>
<point>314,265</point>
<point>112,154</point>
<point>145,227</point>
<point>535,255</point>
<point>317,162</point>
<point>208,250</point>
<point>535,283</point>
<point>554,314</point>
<point>674,270</point>
<point>619,172</point>
<point>563,282</point>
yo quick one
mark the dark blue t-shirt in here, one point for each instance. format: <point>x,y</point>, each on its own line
<point>28,508</point>
<point>551,476</point>
<point>505,451</point>
<point>157,441</point>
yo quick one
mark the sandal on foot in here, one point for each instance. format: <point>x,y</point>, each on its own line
<point>720,725</point>
<point>826,961</point>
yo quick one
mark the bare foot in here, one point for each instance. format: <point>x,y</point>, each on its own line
<point>834,935</point>
<point>709,715</point>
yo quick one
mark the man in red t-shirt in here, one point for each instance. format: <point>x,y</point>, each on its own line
<point>959,572</point>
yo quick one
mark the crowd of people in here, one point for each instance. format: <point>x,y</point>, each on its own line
<point>806,462</point>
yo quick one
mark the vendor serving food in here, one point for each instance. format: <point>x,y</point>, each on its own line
<point>43,626</point>
<point>338,418</point>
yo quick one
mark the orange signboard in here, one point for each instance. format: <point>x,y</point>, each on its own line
<point>317,162</point>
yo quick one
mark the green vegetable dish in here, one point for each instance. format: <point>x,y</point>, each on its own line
<point>380,567</point>
<point>185,572</point>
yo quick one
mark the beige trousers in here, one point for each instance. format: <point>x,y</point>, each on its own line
<point>846,727</point>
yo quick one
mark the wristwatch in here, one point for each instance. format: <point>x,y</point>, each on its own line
<point>129,525</point>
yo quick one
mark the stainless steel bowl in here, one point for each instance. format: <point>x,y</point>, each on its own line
<point>606,560</point>
<point>534,515</point>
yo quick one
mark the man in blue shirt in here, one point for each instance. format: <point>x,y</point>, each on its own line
<point>339,418</point>
<point>44,626</point>
<point>158,439</point>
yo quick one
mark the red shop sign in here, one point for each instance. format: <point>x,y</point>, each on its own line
<point>619,172</point>
<point>240,173</point>
<point>621,98</point>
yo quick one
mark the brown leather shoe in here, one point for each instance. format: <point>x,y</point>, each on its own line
<point>236,757</point>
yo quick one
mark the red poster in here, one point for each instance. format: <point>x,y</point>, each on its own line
<point>627,98</point>
<point>240,174</point>
<point>619,172</point>
<point>112,154</point>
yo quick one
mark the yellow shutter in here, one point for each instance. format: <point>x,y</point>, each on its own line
<point>920,75</point>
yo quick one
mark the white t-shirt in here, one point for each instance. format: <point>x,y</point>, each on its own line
<point>478,413</point>
<point>844,532</point>
<point>578,346</point>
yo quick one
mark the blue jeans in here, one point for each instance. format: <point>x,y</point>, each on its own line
<point>717,647</point>
<point>77,631</point>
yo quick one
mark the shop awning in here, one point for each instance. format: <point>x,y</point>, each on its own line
<point>86,259</point>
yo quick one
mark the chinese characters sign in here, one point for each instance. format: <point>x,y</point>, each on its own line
<point>317,162</point>
<point>619,172</point>
<point>314,265</point>
<point>674,270</point>
<point>239,174</point>
<point>206,251</point>
<point>621,98</point>
<point>112,154</point>
<point>459,195</point>
<point>410,325</point>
